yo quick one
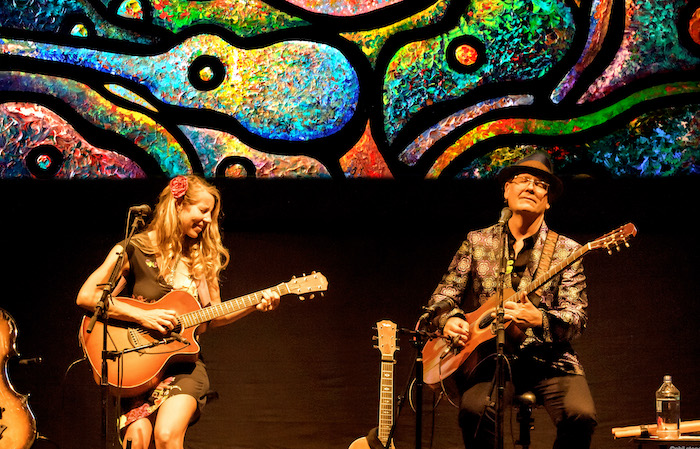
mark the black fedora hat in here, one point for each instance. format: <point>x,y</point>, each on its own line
<point>537,164</point>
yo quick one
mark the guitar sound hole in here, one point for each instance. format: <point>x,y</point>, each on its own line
<point>485,322</point>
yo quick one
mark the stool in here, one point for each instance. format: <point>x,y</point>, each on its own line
<point>525,403</point>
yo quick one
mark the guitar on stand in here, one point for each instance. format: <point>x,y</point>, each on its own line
<point>381,436</point>
<point>17,423</point>
<point>440,359</point>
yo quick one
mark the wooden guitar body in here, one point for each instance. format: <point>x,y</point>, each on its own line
<point>137,357</point>
<point>137,371</point>
<point>440,360</point>
<point>17,423</point>
<point>371,441</point>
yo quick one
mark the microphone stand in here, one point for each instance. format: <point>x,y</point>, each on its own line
<point>500,344</point>
<point>418,339</point>
<point>102,313</point>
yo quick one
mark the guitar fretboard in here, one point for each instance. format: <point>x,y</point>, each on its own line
<point>610,240</point>
<point>205,314</point>
<point>553,271</point>
<point>386,402</point>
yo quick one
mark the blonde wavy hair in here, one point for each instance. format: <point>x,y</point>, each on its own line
<point>205,256</point>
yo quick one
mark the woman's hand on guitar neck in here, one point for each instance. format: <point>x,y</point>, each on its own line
<point>457,331</point>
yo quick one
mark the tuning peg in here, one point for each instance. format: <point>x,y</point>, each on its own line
<point>301,298</point>
<point>312,296</point>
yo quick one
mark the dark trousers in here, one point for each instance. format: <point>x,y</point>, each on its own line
<point>566,398</point>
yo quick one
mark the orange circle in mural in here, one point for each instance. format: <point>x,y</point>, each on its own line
<point>236,171</point>
<point>694,27</point>
<point>466,55</point>
<point>206,74</point>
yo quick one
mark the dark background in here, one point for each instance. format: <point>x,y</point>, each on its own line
<point>306,375</point>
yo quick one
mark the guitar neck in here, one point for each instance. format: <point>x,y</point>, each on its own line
<point>386,402</point>
<point>556,269</point>
<point>206,314</point>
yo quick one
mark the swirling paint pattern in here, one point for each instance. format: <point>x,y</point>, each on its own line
<point>650,45</point>
<point>659,143</point>
<point>343,7</point>
<point>217,146</point>
<point>372,41</point>
<point>140,129</point>
<point>419,146</point>
<point>518,46</point>
<point>383,88</point>
<point>600,18</point>
<point>555,127</point>
<point>26,127</point>
<point>243,17</point>
<point>364,159</point>
<point>313,99</point>
<point>63,18</point>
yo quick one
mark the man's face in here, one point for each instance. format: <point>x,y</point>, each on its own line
<point>527,193</point>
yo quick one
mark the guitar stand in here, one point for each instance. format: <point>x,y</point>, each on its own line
<point>499,327</point>
<point>418,339</point>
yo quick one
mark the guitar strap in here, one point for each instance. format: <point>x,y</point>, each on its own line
<point>545,261</point>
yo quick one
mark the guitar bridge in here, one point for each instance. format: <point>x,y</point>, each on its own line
<point>134,338</point>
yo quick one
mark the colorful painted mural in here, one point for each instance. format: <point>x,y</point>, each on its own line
<point>347,88</point>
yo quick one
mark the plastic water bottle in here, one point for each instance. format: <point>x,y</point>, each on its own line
<point>668,410</point>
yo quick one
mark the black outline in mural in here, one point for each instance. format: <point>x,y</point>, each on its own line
<point>150,39</point>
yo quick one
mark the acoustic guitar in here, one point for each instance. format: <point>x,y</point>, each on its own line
<point>141,355</point>
<point>441,359</point>
<point>17,423</point>
<point>379,437</point>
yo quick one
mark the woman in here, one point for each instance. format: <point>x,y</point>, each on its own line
<point>180,249</point>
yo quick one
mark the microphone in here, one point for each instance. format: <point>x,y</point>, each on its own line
<point>143,209</point>
<point>506,213</point>
<point>440,307</point>
<point>177,337</point>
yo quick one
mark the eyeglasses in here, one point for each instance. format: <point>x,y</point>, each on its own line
<point>526,180</point>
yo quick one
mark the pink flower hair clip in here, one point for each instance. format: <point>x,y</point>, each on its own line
<point>178,186</point>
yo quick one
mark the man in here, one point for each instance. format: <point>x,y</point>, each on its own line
<point>544,362</point>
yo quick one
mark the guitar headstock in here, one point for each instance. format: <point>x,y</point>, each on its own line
<point>386,339</point>
<point>614,239</point>
<point>307,284</point>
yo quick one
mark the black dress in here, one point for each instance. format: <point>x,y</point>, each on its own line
<point>144,282</point>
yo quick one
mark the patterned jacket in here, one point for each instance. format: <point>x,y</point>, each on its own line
<point>472,277</point>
